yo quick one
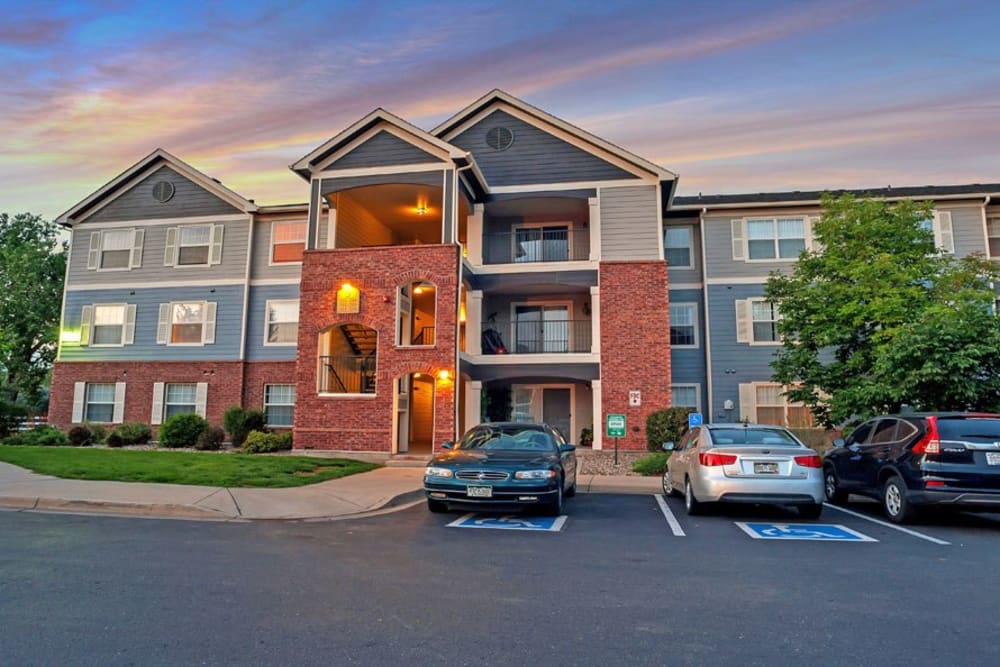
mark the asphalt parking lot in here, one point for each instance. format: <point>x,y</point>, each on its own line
<point>616,584</point>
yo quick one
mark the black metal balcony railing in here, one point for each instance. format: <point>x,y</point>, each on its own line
<point>524,337</point>
<point>536,245</point>
<point>347,374</point>
<point>424,337</point>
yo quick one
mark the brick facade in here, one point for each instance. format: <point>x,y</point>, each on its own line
<point>365,422</point>
<point>635,343</point>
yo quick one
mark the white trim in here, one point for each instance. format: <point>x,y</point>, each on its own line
<point>331,227</point>
<point>267,308</point>
<point>575,185</point>
<point>681,286</point>
<point>814,203</point>
<point>533,359</point>
<point>305,239</point>
<point>93,317</point>
<point>804,219</point>
<point>264,282</point>
<point>164,222</point>
<point>659,223</point>
<point>62,308</point>
<point>442,154</point>
<point>170,324</point>
<point>697,392</point>
<point>986,226</point>
<point>264,403</point>
<point>533,267</point>
<point>697,336</point>
<point>178,245</point>
<point>244,323</point>
<point>741,280</point>
<point>83,287</point>
<point>380,171</point>
<point>750,322</point>
<point>101,251</point>
<point>690,230</point>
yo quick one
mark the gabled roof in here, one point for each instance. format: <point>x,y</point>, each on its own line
<point>595,144</point>
<point>305,166</point>
<point>804,197</point>
<point>118,184</point>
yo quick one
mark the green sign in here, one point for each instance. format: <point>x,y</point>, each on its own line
<point>616,426</point>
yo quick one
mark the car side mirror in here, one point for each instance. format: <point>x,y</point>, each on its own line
<point>839,442</point>
<point>447,444</point>
<point>567,448</point>
<point>668,446</point>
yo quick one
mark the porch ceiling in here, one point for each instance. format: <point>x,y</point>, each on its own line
<point>532,373</point>
<point>397,207</point>
<point>536,284</point>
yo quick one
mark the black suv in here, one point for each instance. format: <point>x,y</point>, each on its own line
<point>915,460</point>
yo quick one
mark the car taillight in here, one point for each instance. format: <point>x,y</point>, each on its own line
<point>931,483</point>
<point>808,461</point>
<point>931,442</point>
<point>707,459</point>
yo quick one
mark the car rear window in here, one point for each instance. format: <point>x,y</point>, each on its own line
<point>970,429</point>
<point>752,436</point>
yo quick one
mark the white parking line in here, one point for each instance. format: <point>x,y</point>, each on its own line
<point>889,525</point>
<point>675,527</point>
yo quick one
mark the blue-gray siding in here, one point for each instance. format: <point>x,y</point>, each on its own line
<point>383,150</point>
<point>228,324</point>
<point>330,185</point>
<point>260,267</point>
<point>535,156</point>
<point>630,228</point>
<point>138,204</point>
<point>682,275</point>
<point>687,365</point>
<point>256,322</point>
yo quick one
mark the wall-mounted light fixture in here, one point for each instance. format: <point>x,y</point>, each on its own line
<point>421,209</point>
<point>444,374</point>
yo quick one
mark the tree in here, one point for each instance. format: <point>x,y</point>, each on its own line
<point>32,268</point>
<point>876,318</point>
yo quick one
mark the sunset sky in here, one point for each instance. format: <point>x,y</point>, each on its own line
<point>734,96</point>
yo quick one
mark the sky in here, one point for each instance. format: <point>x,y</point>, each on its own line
<point>740,96</point>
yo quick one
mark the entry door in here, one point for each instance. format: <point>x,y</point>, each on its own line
<point>541,328</point>
<point>403,414</point>
<point>556,411</point>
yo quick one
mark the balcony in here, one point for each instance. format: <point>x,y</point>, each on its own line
<point>537,337</point>
<point>347,374</point>
<point>537,244</point>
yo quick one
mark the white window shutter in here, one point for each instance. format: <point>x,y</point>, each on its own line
<point>86,317</point>
<point>208,331</point>
<point>748,402</point>
<point>94,256</point>
<point>163,325</point>
<point>119,410</point>
<point>742,321</point>
<point>944,239</point>
<point>170,250</point>
<point>811,241</point>
<point>79,394</point>
<point>135,260</point>
<point>216,254</point>
<point>738,246</point>
<point>201,398</point>
<point>128,335</point>
<point>156,416</point>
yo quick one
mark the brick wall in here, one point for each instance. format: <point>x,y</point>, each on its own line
<point>365,423</point>
<point>635,344</point>
<point>259,373</point>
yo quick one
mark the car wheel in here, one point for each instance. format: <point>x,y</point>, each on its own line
<point>693,506</point>
<point>668,485</point>
<point>555,507</point>
<point>895,502</point>
<point>812,511</point>
<point>834,493</point>
<point>436,506</point>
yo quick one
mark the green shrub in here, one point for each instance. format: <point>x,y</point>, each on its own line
<point>40,436</point>
<point>182,430</point>
<point>666,426</point>
<point>239,422</point>
<point>98,434</point>
<point>11,417</point>
<point>80,436</point>
<point>210,439</point>
<point>653,464</point>
<point>129,433</point>
<point>259,442</point>
<point>586,437</point>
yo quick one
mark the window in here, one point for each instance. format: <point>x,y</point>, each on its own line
<point>116,249</point>
<point>776,238</point>
<point>288,241</point>
<point>765,321</point>
<point>416,314</point>
<point>100,402</point>
<point>686,396</point>
<point>193,245</point>
<point>179,399</point>
<point>993,231</point>
<point>885,432</point>
<point>677,247</point>
<point>282,322</point>
<point>684,325</point>
<point>279,404</point>
<point>549,243</point>
<point>191,323</point>
<point>773,407</point>
<point>940,225</point>
<point>109,324</point>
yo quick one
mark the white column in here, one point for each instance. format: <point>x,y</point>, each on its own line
<point>474,322</point>
<point>595,228</point>
<point>473,403</point>
<point>595,391</point>
<point>595,319</point>
<point>474,235</point>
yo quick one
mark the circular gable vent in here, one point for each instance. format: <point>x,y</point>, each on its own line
<point>499,138</point>
<point>163,191</point>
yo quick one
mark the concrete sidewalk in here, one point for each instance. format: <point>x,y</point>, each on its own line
<point>355,495</point>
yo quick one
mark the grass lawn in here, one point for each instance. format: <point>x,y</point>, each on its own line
<point>200,469</point>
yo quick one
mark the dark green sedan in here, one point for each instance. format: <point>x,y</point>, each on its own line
<point>503,465</point>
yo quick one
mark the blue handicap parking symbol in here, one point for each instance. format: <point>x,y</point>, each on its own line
<point>824,532</point>
<point>510,522</point>
<point>694,419</point>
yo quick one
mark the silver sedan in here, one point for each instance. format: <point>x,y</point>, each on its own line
<point>744,463</point>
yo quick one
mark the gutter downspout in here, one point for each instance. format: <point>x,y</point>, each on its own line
<point>708,332</point>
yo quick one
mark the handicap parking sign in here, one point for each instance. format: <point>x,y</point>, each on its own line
<point>694,419</point>
<point>821,532</point>
<point>510,522</point>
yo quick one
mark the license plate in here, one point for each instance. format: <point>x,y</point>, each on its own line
<point>479,491</point>
<point>993,458</point>
<point>765,468</point>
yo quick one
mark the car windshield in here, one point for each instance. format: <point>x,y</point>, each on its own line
<point>735,437</point>
<point>970,430</point>
<point>516,438</point>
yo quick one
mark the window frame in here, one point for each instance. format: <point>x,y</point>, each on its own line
<point>100,255</point>
<point>270,251</point>
<point>992,223</point>
<point>687,385</point>
<point>204,320</point>
<point>180,245</point>
<point>753,337</point>
<point>93,325</point>
<point>690,246</point>
<point>87,402</point>
<point>167,403</point>
<point>266,404</point>
<point>543,226</point>
<point>267,323</point>
<point>408,288</point>
<point>695,325</point>
<point>785,405</point>
<point>806,224</point>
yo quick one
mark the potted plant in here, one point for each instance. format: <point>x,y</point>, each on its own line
<point>587,437</point>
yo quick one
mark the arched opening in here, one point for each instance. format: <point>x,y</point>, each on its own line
<point>414,419</point>
<point>347,359</point>
<point>416,306</point>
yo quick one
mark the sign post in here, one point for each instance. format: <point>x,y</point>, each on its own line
<point>615,428</point>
